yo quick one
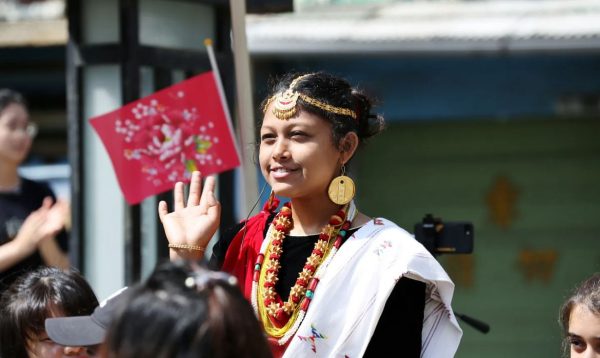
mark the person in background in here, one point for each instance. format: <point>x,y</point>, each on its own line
<point>185,310</point>
<point>31,223</point>
<point>325,279</point>
<point>35,296</point>
<point>580,320</point>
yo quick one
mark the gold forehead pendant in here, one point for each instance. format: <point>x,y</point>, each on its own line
<point>285,104</point>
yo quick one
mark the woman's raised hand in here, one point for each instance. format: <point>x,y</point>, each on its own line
<point>192,224</point>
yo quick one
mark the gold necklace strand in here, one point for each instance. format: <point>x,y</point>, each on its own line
<point>270,328</point>
<point>267,262</point>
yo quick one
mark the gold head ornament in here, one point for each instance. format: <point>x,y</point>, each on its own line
<point>285,106</point>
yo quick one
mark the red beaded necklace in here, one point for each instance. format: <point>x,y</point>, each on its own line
<point>281,319</point>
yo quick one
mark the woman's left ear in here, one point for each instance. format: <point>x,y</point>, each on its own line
<point>348,146</point>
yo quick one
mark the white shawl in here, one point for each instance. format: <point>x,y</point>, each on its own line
<point>354,289</point>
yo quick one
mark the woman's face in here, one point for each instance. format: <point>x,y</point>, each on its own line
<point>297,156</point>
<point>15,134</point>
<point>584,333</point>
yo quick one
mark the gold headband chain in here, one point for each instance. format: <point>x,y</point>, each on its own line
<point>286,102</point>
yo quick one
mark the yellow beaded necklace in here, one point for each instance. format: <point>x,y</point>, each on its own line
<point>281,319</point>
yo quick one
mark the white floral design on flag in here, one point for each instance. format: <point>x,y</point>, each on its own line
<point>170,142</point>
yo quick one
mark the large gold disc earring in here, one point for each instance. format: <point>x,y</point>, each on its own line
<point>341,189</point>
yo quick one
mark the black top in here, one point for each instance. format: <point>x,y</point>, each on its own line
<point>400,325</point>
<point>14,209</point>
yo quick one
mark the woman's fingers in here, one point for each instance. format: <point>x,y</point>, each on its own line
<point>162,210</point>
<point>47,203</point>
<point>178,196</point>
<point>195,189</point>
<point>64,206</point>
<point>208,198</point>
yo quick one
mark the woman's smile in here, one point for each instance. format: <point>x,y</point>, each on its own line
<point>280,172</point>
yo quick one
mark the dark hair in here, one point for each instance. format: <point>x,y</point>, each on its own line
<point>337,92</point>
<point>35,296</point>
<point>8,97</point>
<point>587,293</point>
<point>185,310</point>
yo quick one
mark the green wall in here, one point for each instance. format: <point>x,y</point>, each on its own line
<point>534,240</point>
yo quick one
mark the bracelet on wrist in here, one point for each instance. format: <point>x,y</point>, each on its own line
<point>186,247</point>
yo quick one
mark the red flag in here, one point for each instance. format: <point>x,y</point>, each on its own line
<point>160,139</point>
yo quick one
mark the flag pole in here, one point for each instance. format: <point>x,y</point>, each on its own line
<point>216,73</point>
<point>247,175</point>
<point>244,104</point>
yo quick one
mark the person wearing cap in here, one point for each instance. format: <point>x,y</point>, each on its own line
<point>85,331</point>
<point>35,296</point>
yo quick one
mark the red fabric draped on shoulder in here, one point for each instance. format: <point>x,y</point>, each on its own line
<point>243,250</point>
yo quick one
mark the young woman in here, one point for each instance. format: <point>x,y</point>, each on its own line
<point>324,279</point>
<point>36,295</point>
<point>29,222</point>
<point>185,310</point>
<point>580,320</point>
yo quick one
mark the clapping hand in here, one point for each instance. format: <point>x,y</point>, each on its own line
<point>194,223</point>
<point>42,224</point>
